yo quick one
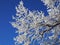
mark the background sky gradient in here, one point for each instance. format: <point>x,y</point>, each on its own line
<point>7,9</point>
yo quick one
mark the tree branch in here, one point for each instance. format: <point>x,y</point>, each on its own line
<point>51,26</point>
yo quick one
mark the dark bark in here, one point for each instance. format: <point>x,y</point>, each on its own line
<point>50,27</point>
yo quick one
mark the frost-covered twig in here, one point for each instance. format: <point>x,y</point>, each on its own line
<point>32,25</point>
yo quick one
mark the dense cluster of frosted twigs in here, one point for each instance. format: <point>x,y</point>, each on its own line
<point>33,25</point>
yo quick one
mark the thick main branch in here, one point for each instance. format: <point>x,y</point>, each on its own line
<point>50,27</point>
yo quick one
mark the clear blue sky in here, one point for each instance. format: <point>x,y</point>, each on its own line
<point>7,9</point>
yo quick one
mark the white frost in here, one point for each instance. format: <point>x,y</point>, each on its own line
<point>31,24</point>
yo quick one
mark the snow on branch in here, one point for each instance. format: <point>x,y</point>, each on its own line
<point>33,25</point>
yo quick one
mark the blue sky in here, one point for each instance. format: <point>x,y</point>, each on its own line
<point>7,9</point>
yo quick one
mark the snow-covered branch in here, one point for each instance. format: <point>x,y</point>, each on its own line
<point>33,25</point>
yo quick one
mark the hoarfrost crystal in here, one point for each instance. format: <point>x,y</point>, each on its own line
<point>33,25</point>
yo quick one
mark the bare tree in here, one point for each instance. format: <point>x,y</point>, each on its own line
<point>33,25</point>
